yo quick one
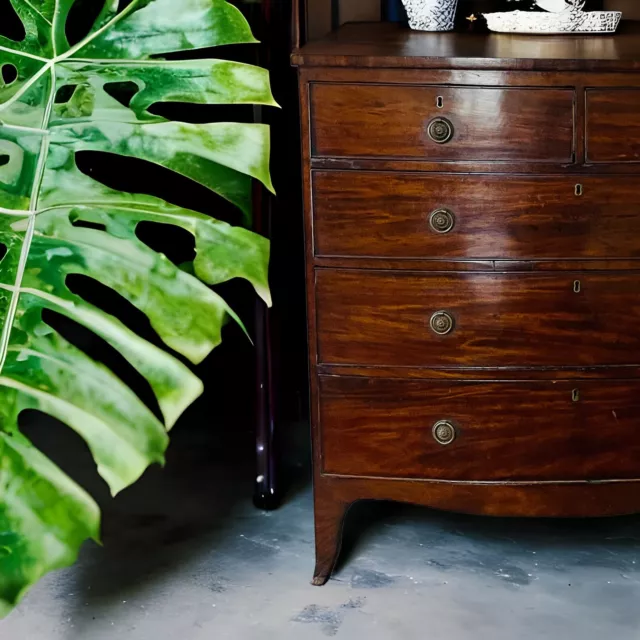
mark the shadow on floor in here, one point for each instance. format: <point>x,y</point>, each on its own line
<point>187,556</point>
<point>173,515</point>
<point>494,546</point>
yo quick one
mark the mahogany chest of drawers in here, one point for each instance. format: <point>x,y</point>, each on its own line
<point>472,208</point>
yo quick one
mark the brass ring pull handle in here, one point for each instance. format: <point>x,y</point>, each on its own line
<point>442,220</point>
<point>441,323</point>
<point>444,432</point>
<point>440,130</point>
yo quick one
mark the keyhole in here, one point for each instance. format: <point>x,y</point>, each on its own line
<point>575,395</point>
<point>577,286</point>
<point>579,190</point>
<point>439,102</point>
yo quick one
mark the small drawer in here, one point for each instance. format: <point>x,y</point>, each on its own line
<point>613,125</point>
<point>472,124</point>
<point>396,215</point>
<point>480,431</point>
<point>387,318</point>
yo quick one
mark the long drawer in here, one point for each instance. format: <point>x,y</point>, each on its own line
<point>408,215</point>
<point>480,431</point>
<point>442,123</point>
<point>477,319</point>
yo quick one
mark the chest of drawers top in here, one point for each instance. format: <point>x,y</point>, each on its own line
<point>387,45</point>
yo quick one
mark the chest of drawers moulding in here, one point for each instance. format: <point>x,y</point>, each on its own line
<point>472,208</point>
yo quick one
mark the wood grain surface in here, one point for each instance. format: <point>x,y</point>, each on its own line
<point>389,45</point>
<point>374,214</point>
<point>526,319</point>
<point>509,431</point>
<point>613,125</point>
<point>496,124</point>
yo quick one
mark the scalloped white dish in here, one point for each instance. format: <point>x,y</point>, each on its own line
<point>572,21</point>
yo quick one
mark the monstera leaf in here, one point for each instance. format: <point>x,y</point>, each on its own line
<point>55,101</point>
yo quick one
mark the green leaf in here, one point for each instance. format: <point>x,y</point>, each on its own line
<point>196,81</point>
<point>56,222</point>
<point>39,499</point>
<point>164,26</point>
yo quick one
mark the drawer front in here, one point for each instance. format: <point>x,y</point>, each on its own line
<point>407,215</point>
<point>393,121</point>
<point>496,319</point>
<point>613,125</point>
<point>502,431</point>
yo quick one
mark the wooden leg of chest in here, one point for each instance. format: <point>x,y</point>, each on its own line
<point>330,512</point>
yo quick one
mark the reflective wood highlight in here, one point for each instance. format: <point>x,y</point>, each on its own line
<point>393,121</point>
<point>507,319</point>
<point>613,125</point>
<point>388,45</point>
<point>374,214</point>
<point>587,430</point>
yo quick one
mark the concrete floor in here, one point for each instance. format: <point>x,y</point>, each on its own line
<point>187,557</point>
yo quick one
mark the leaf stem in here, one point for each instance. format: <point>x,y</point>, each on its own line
<point>28,237</point>
<point>92,36</point>
<point>38,12</point>
<point>24,54</point>
<point>15,212</point>
<point>17,127</point>
<point>25,87</point>
<point>50,63</point>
